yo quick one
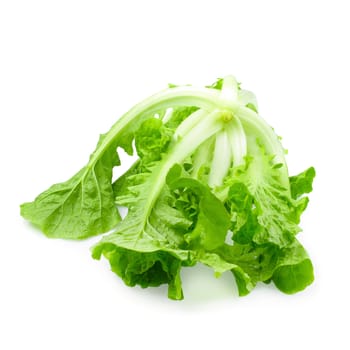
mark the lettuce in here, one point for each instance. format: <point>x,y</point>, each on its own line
<point>210,185</point>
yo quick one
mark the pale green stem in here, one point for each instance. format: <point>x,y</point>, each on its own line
<point>229,89</point>
<point>238,141</point>
<point>255,125</point>
<point>221,160</point>
<point>205,98</point>
<point>202,156</point>
<point>189,123</point>
<point>167,115</point>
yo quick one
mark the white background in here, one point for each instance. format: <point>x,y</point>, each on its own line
<point>69,69</point>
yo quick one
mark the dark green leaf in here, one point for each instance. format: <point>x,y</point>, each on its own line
<point>294,270</point>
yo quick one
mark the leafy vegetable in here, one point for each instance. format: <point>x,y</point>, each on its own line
<point>210,185</point>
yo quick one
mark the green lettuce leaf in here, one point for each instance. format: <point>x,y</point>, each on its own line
<point>302,183</point>
<point>152,140</point>
<point>289,268</point>
<point>210,218</point>
<point>144,269</point>
<point>256,263</point>
<point>81,207</point>
<point>262,209</point>
<point>294,270</point>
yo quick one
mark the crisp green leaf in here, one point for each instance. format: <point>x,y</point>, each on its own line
<point>261,208</point>
<point>302,183</point>
<point>257,261</point>
<point>81,207</point>
<point>244,222</point>
<point>152,140</point>
<point>144,269</point>
<point>211,220</point>
<point>294,270</point>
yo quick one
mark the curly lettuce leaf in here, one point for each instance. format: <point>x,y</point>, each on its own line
<point>289,268</point>
<point>152,139</point>
<point>149,269</point>
<point>262,209</point>
<point>211,220</point>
